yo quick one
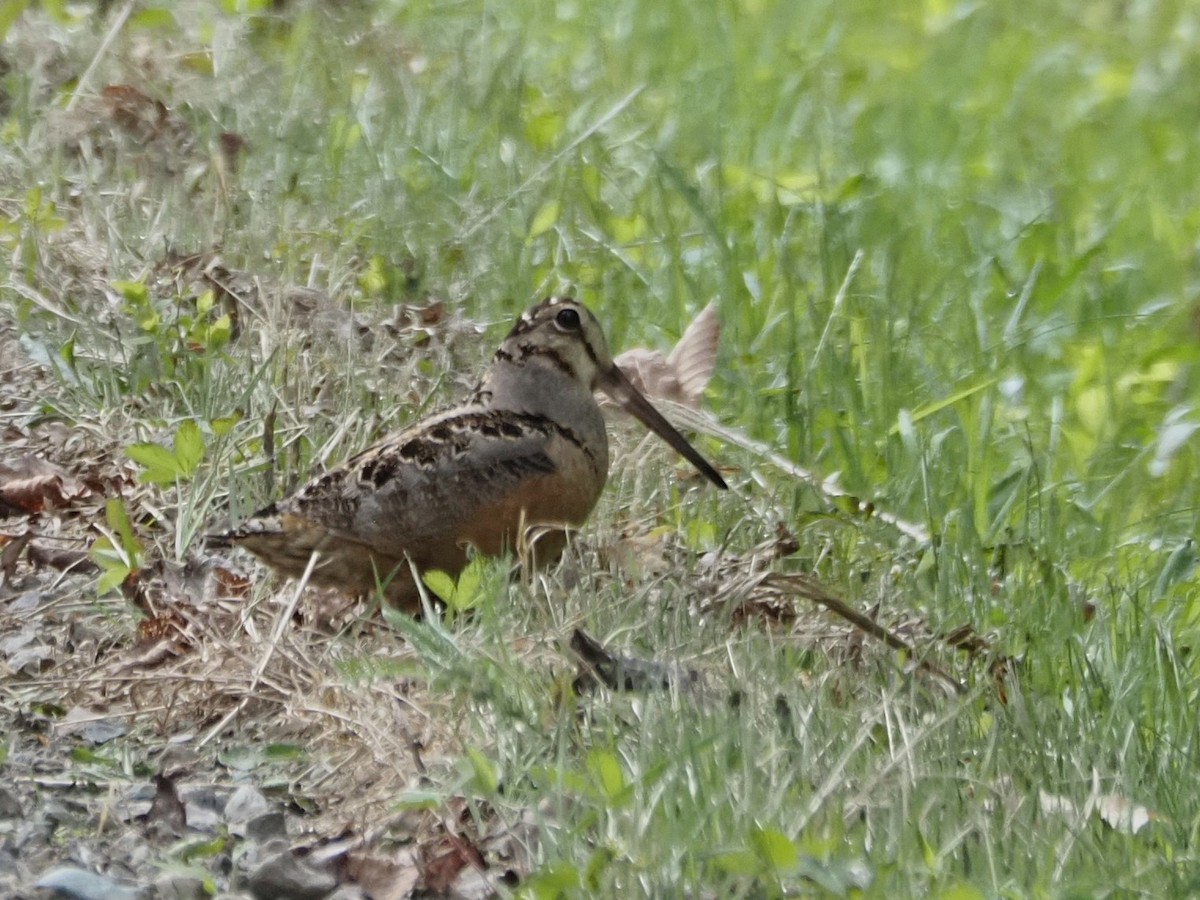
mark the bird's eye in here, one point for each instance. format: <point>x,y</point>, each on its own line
<point>567,319</point>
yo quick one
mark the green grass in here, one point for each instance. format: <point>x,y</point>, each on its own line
<point>1001,365</point>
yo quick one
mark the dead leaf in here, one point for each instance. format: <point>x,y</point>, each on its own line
<point>1122,814</point>
<point>965,637</point>
<point>431,314</point>
<point>771,610</point>
<point>683,375</point>
<point>31,484</point>
<point>383,878</point>
<point>61,560</point>
<point>143,117</point>
<point>232,145</point>
<point>597,664</point>
<point>167,812</point>
<point>152,630</point>
<point>230,583</point>
<point>24,651</point>
<point>96,726</point>
<point>454,854</point>
<point>11,554</point>
<point>1115,810</point>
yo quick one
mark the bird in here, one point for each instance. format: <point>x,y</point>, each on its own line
<point>511,469</point>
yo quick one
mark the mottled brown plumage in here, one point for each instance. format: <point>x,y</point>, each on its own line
<point>526,453</point>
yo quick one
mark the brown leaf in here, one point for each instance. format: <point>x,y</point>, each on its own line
<point>383,878</point>
<point>695,356</point>
<point>150,658</point>
<point>232,146</point>
<point>13,546</point>
<point>432,314</point>
<point>152,630</point>
<point>167,812</point>
<point>61,560</point>
<point>132,111</point>
<point>965,637</point>
<point>1123,814</point>
<point>440,871</point>
<point>684,374</point>
<point>598,664</point>
<point>230,583</point>
<point>31,484</point>
<point>771,611</point>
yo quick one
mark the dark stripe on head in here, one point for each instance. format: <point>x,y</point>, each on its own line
<point>590,350</point>
<point>550,354</point>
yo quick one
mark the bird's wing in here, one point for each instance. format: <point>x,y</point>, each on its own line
<point>422,485</point>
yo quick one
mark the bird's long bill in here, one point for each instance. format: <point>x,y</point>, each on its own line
<point>616,385</point>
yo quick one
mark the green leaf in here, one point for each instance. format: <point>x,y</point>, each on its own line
<point>57,9</point>
<point>774,848</point>
<point>543,125</point>
<point>554,880</point>
<point>738,862</point>
<point>67,352</point>
<point>112,578</point>
<point>419,800</point>
<point>10,11</point>
<point>597,863</point>
<point>117,562</point>
<point>960,891</point>
<point>484,773</point>
<point>189,447</point>
<point>159,464</point>
<point>153,20</point>
<point>118,521</point>
<point>134,292</point>
<point>88,756</point>
<point>544,219</point>
<point>280,751</point>
<point>203,849</point>
<point>374,280</point>
<point>1180,566</point>
<point>561,780</point>
<point>466,592</point>
<point>225,424</point>
<point>606,771</point>
<point>462,594</point>
<point>219,332</point>
<point>929,409</point>
<point>440,583</point>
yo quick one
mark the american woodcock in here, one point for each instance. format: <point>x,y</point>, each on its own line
<point>526,454</point>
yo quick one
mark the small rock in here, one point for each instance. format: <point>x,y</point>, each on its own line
<point>247,803</point>
<point>10,806</point>
<point>180,886</point>
<point>265,828</point>
<point>27,601</point>
<point>79,884</point>
<point>103,731</point>
<point>203,807</point>
<point>285,876</point>
<point>471,884</point>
